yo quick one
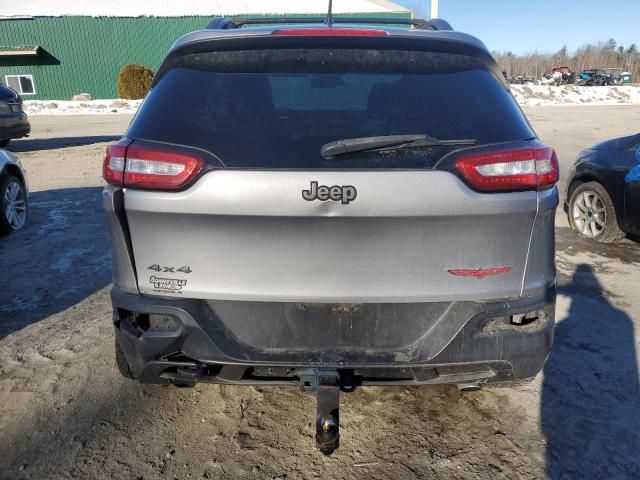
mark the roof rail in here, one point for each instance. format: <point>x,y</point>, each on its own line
<point>223,23</point>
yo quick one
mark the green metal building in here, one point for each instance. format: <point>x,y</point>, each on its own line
<point>56,57</point>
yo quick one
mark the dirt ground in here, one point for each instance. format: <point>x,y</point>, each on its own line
<point>66,413</point>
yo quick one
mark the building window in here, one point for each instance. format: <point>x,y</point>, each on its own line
<point>23,84</point>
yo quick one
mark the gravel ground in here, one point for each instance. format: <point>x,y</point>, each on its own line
<point>66,413</point>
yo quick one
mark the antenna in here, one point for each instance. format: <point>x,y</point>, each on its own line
<point>330,13</point>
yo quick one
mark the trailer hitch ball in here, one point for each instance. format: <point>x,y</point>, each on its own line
<point>327,433</point>
<point>326,386</point>
<point>328,424</point>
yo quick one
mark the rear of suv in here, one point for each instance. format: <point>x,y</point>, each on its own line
<point>331,206</point>
<point>13,120</point>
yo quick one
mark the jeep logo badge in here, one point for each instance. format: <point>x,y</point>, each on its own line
<point>344,193</point>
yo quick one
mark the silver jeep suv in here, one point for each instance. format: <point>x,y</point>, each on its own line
<point>330,206</point>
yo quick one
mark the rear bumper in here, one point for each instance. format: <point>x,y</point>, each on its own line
<point>181,341</point>
<point>14,126</point>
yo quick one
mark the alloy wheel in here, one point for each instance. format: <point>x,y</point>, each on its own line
<point>15,205</point>
<point>589,214</point>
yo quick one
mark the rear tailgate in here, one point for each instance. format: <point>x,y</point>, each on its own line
<point>244,230</point>
<point>250,235</point>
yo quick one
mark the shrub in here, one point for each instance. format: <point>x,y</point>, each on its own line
<point>134,81</point>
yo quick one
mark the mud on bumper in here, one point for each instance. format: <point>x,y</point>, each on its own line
<point>185,341</point>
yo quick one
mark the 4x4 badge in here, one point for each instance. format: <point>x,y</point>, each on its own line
<point>344,193</point>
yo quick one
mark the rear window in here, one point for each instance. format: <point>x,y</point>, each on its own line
<point>277,108</point>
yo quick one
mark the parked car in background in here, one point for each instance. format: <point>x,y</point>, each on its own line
<point>331,206</point>
<point>603,194</point>
<point>594,77</point>
<point>14,193</point>
<point>13,120</point>
<point>615,76</point>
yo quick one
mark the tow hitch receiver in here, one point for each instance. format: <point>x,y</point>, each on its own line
<point>325,384</point>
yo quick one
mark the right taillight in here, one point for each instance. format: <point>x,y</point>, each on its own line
<point>508,170</point>
<point>152,167</point>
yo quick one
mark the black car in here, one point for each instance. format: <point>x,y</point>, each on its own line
<point>13,120</point>
<point>603,194</point>
<point>594,77</point>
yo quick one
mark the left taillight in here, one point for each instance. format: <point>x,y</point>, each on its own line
<point>113,164</point>
<point>509,170</point>
<point>153,168</point>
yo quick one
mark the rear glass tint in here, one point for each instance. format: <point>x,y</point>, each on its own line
<point>277,108</point>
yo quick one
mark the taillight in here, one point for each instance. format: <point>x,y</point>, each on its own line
<point>520,169</point>
<point>155,168</point>
<point>358,32</point>
<point>113,164</point>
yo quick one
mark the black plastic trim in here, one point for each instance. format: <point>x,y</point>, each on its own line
<point>206,340</point>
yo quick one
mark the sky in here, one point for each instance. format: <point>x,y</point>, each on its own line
<point>543,25</point>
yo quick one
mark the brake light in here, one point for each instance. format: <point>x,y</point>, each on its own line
<point>358,32</point>
<point>521,169</point>
<point>155,168</point>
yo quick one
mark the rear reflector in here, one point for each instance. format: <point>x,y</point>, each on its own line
<point>359,32</point>
<point>522,169</point>
<point>154,168</point>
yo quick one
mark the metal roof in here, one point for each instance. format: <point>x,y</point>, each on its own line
<point>18,50</point>
<point>173,8</point>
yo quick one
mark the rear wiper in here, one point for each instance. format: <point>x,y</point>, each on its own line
<point>387,142</point>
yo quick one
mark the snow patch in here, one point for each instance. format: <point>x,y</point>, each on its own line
<point>65,261</point>
<point>88,107</point>
<point>547,95</point>
<point>58,220</point>
<point>25,303</point>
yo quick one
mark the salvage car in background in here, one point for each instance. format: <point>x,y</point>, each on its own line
<point>604,190</point>
<point>13,120</point>
<point>593,78</point>
<point>14,193</point>
<point>560,76</point>
<point>615,76</point>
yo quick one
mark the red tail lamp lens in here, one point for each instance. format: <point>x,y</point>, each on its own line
<point>521,169</point>
<point>153,168</point>
<point>113,164</point>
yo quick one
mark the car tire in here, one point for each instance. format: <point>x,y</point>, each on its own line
<point>121,362</point>
<point>592,214</point>
<point>13,204</point>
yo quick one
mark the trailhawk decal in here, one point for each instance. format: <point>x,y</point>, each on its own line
<point>344,193</point>
<point>480,273</point>
<point>167,285</point>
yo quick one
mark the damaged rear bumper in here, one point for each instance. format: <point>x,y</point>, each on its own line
<point>184,341</point>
